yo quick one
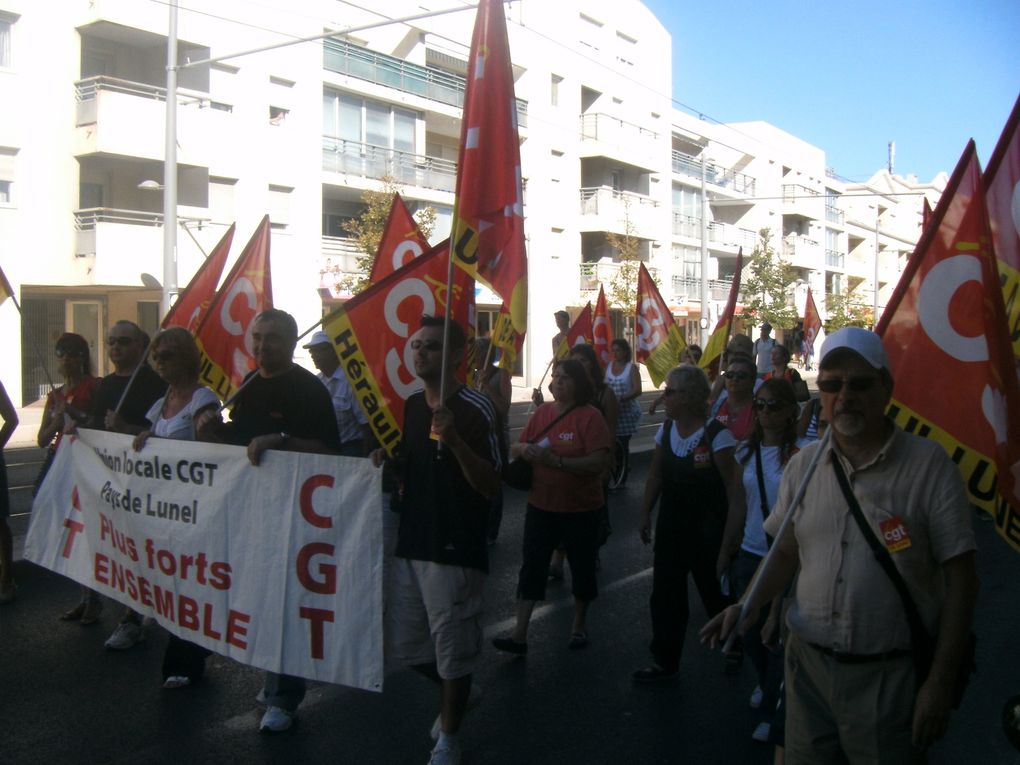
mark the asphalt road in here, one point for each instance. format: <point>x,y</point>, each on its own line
<point>63,698</point>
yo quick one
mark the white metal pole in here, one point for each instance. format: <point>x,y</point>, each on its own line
<point>703,295</point>
<point>874,314</point>
<point>170,168</point>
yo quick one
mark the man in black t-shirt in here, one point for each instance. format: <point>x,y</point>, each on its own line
<point>126,345</point>
<point>448,469</point>
<point>282,406</point>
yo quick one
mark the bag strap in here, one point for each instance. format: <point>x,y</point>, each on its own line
<point>761,481</point>
<point>918,634</point>
<point>548,427</point>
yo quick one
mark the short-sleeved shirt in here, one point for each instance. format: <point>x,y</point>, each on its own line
<point>755,541</point>
<point>741,424</point>
<point>349,417</point>
<point>442,518</point>
<point>763,354</point>
<point>79,397</point>
<point>581,432</point>
<point>295,403</point>
<point>915,501</point>
<point>146,388</point>
<point>181,426</point>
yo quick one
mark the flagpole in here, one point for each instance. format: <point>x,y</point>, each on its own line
<point>447,318</point>
<point>752,592</point>
<point>131,380</point>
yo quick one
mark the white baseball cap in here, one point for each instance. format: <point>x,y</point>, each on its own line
<point>318,338</point>
<point>864,343</point>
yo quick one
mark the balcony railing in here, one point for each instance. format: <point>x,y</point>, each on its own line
<point>611,200</point>
<point>733,236</point>
<point>368,161</point>
<point>794,191</point>
<point>594,274</point>
<point>835,258</point>
<point>686,225</point>
<point>688,289</point>
<point>800,248</point>
<point>686,164</point>
<point>86,90</point>
<point>604,127</point>
<point>834,215</point>
<point>393,72</point>
<point>87,218</point>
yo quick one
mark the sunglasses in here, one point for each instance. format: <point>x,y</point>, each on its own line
<point>429,345</point>
<point>737,375</point>
<point>122,340</point>
<point>855,384</point>
<point>761,404</point>
<point>161,356</point>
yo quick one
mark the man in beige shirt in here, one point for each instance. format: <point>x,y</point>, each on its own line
<point>852,694</point>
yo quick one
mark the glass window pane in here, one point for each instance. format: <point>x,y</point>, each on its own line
<point>377,124</point>
<point>350,118</point>
<point>329,116</point>
<point>404,130</point>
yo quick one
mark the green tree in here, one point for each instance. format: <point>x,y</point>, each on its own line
<point>622,292</point>
<point>367,230</point>
<point>767,286</point>
<point>845,309</point>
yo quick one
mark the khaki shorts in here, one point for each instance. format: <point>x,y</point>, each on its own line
<point>433,614</point>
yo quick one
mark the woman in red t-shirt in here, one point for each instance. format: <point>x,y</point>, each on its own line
<point>567,443</point>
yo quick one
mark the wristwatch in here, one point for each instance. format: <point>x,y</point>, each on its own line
<point>284,438</point>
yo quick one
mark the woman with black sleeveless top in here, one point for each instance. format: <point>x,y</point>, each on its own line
<point>696,481</point>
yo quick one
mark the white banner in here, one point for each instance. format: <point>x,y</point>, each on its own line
<point>277,566</point>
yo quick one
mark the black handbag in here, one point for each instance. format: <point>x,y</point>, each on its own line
<point>518,473</point>
<point>923,644</point>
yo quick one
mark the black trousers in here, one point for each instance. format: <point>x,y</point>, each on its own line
<point>184,659</point>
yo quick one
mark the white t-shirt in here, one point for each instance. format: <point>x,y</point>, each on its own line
<point>772,472</point>
<point>682,446</point>
<point>763,354</point>
<point>181,425</point>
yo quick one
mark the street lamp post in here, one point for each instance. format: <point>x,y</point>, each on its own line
<point>170,169</point>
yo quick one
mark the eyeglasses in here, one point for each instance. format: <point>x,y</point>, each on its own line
<point>761,404</point>
<point>855,384</point>
<point>122,340</point>
<point>737,375</point>
<point>428,345</point>
<point>161,356</point>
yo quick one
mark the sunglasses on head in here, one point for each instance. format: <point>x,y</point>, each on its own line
<point>428,345</point>
<point>761,404</point>
<point>737,375</point>
<point>855,384</point>
<point>122,340</point>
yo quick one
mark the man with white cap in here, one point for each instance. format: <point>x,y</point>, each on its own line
<point>853,693</point>
<point>350,420</point>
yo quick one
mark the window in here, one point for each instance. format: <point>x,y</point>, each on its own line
<point>362,121</point>
<point>279,206</point>
<point>6,175</point>
<point>5,193</point>
<point>277,115</point>
<point>6,28</point>
<point>554,89</point>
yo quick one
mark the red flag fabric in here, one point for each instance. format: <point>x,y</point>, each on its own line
<point>602,330</point>
<point>196,297</point>
<point>946,322</point>
<point>1002,181</point>
<point>659,340</point>
<point>580,332</point>
<point>488,215</point>
<point>372,334</point>
<point>925,214</point>
<point>224,336</point>
<point>401,242</point>
<point>711,354</point>
<point>812,320</point>
<point>507,339</point>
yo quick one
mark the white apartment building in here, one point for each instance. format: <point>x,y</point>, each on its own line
<point>301,132</point>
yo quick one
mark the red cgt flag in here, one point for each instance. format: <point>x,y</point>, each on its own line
<point>580,332</point>
<point>711,355</point>
<point>812,321</point>
<point>401,242</point>
<point>488,216</point>
<point>195,299</point>
<point>946,321</point>
<point>224,336</point>
<point>372,335</point>
<point>507,339</point>
<point>602,331</point>
<point>659,341</point>
<point>1002,177</point>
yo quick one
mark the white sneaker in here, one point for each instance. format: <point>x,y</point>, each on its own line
<point>177,681</point>
<point>474,699</point>
<point>276,720</point>
<point>761,733</point>
<point>126,635</point>
<point>447,752</point>
<point>756,696</point>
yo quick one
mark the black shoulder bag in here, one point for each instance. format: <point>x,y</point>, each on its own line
<point>518,473</point>
<point>761,489</point>
<point>923,643</point>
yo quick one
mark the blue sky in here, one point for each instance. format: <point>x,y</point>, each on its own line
<point>849,77</point>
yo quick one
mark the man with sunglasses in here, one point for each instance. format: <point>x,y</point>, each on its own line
<point>851,685</point>
<point>447,468</point>
<point>126,345</point>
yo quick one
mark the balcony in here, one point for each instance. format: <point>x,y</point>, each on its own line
<point>125,118</point>
<point>392,72</point>
<point>733,237</point>
<point>802,201</point>
<point>834,215</point>
<point>338,259</point>
<point>603,135</point>
<point>124,243</point>
<point>606,209</point>
<point>686,226</point>
<point>690,166</point>
<point>598,273</point>
<point>368,161</point>
<point>687,289</point>
<point>801,251</point>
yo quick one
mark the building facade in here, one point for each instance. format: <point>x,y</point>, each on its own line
<point>300,132</point>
